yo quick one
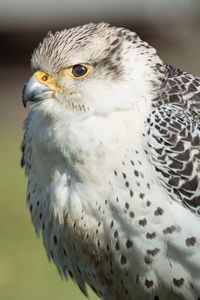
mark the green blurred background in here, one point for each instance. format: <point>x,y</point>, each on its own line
<point>172,26</point>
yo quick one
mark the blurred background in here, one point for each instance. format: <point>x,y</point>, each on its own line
<point>171,26</point>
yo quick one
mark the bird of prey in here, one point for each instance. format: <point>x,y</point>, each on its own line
<point>111,150</point>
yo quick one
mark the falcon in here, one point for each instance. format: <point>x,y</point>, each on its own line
<point>111,150</point>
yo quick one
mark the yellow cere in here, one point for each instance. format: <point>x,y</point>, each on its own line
<point>47,80</point>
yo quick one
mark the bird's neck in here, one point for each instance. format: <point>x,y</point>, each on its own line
<point>77,161</point>
<point>84,146</point>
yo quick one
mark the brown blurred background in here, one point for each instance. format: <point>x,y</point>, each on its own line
<point>171,26</point>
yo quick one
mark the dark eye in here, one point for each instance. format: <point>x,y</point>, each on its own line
<point>79,70</point>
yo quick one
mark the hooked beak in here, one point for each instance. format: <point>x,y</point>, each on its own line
<point>35,91</point>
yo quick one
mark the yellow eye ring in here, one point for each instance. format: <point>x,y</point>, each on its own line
<point>78,71</point>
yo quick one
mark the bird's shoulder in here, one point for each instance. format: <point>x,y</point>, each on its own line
<point>181,89</point>
<point>173,137</point>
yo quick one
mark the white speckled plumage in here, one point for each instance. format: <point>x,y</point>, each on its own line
<point>113,166</point>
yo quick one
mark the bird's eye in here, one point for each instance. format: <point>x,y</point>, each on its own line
<point>79,70</point>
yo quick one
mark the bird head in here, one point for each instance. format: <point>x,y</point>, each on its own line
<point>91,69</point>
